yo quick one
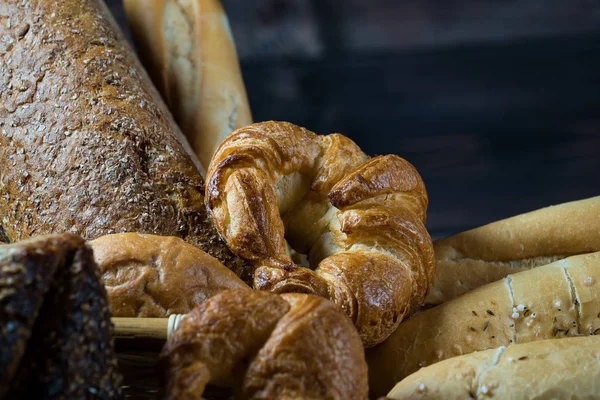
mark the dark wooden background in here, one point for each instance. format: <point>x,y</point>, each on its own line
<point>496,102</point>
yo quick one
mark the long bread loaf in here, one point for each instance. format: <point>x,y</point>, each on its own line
<point>558,300</point>
<point>188,48</point>
<point>546,369</point>
<point>482,255</point>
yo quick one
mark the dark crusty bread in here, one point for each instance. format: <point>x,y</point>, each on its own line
<point>69,354</point>
<point>86,144</point>
<point>156,276</point>
<point>26,272</point>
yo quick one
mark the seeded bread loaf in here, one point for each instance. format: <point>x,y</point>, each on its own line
<point>482,255</point>
<point>86,144</point>
<point>546,369</point>
<point>558,300</point>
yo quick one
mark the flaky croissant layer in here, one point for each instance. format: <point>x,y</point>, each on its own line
<point>265,346</point>
<point>359,220</point>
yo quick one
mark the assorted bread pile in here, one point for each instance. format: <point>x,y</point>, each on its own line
<point>294,272</point>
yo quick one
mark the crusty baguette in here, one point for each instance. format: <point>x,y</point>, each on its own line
<point>561,299</point>
<point>188,48</point>
<point>86,144</point>
<point>156,276</point>
<point>482,255</point>
<point>546,369</point>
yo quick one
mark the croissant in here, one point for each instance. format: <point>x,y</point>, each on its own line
<point>267,346</point>
<point>359,220</point>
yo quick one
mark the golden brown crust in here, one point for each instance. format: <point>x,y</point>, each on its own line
<point>289,346</point>
<point>360,221</point>
<point>488,253</point>
<point>156,276</point>
<point>552,301</point>
<point>188,48</point>
<point>557,369</point>
<point>86,144</point>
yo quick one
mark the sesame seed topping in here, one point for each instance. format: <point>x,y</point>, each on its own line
<point>534,315</point>
<point>514,315</point>
<point>421,388</point>
<point>483,389</point>
<point>509,359</point>
<point>521,307</point>
<point>490,312</point>
<point>515,310</point>
<point>557,304</point>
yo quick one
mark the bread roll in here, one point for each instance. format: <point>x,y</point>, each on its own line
<point>265,346</point>
<point>189,50</point>
<point>86,144</point>
<point>488,253</point>
<point>156,276</point>
<point>546,369</point>
<point>561,299</point>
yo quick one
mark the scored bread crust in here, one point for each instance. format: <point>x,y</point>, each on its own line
<point>188,48</point>
<point>155,276</point>
<point>557,369</point>
<point>359,220</point>
<point>86,144</point>
<point>265,346</point>
<point>482,255</point>
<point>558,300</point>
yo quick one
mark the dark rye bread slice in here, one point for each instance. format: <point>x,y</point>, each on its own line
<point>26,272</point>
<point>86,144</point>
<point>70,352</point>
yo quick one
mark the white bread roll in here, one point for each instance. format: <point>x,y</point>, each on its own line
<point>486,254</point>
<point>546,369</point>
<point>557,300</point>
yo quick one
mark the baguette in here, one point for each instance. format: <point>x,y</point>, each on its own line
<point>546,369</point>
<point>86,144</point>
<point>486,254</point>
<point>561,299</point>
<point>188,48</point>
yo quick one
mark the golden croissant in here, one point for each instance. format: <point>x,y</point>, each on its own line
<point>359,220</point>
<point>265,346</point>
